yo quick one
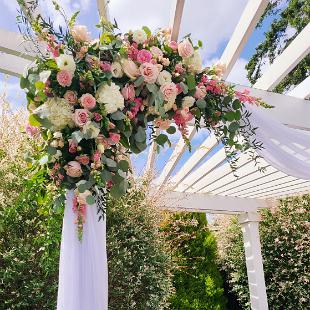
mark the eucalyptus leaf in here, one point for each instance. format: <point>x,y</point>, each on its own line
<point>171,130</point>
<point>139,81</point>
<point>201,104</point>
<point>140,136</point>
<point>118,115</point>
<point>190,81</point>
<point>90,199</point>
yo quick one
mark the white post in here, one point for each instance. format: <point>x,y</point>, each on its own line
<point>249,224</point>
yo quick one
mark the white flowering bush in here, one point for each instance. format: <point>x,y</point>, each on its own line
<point>285,238</point>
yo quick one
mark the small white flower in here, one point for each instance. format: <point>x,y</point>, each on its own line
<point>44,75</point>
<point>188,101</point>
<point>111,97</point>
<point>139,36</point>
<point>164,77</point>
<point>56,156</point>
<point>116,69</point>
<point>57,135</point>
<point>194,63</point>
<point>91,130</point>
<point>66,62</point>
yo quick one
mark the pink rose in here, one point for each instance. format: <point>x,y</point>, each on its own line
<point>200,92</point>
<point>133,51</point>
<point>82,159</point>
<point>111,125</point>
<point>173,45</point>
<point>114,138</point>
<point>73,169</point>
<point>179,68</point>
<point>149,72</point>
<point>32,131</point>
<point>72,146</point>
<point>105,66</point>
<point>97,156</point>
<point>179,88</point>
<point>71,97</point>
<point>169,91</point>
<point>162,124</point>
<point>183,116</point>
<point>81,117</point>
<point>97,117</point>
<point>64,78</point>
<point>88,101</point>
<point>130,68</point>
<point>144,56</point>
<point>80,33</point>
<point>157,52</point>
<point>185,49</point>
<point>128,92</point>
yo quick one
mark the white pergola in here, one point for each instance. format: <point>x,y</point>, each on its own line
<point>210,185</point>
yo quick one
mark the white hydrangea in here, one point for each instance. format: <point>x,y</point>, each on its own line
<point>57,111</point>
<point>66,62</point>
<point>194,63</point>
<point>188,101</point>
<point>116,69</point>
<point>111,97</point>
<point>139,36</point>
<point>164,77</point>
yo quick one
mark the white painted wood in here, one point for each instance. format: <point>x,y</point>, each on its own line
<point>248,20</point>
<point>302,90</point>
<point>174,158</point>
<point>249,222</point>
<point>152,155</point>
<point>208,203</point>
<point>13,65</point>
<point>284,63</point>
<point>202,151</point>
<point>176,17</point>
<point>103,9</point>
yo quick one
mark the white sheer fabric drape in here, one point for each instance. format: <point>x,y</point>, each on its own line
<point>285,148</point>
<point>83,271</point>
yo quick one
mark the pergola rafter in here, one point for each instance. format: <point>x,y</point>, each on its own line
<point>206,182</point>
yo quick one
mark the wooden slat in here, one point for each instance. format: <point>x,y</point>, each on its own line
<point>103,9</point>
<point>151,155</point>
<point>248,20</point>
<point>302,90</point>
<point>176,17</point>
<point>284,63</point>
<point>13,65</point>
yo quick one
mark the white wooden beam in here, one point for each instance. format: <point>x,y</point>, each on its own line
<point>209,203</point>
<point>248,21</point>
<point>103,9</point>
<point>287,61</point>
<point>13,65</point>
<point>176,17</point>
<point>302,90</point>
<point>152,155</point>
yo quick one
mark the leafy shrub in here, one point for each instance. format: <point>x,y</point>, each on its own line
<point>196,278</point>
<point>285,242</point>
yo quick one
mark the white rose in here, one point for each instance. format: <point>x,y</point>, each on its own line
<point>168,105</point>
<point>139,36</point>
<point>91,130</point>
<point>57,135</point>
<point>66,62</point>
<point>56,156</point>
<point>44,75</point>
<point>164,77</point>
<point>188,102</point>
<point>117,70</point>
<point>57,111</point>
<point>111,97</point>
<point>194,63</point>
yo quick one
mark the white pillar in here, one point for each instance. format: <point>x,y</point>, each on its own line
<point>249,224</point>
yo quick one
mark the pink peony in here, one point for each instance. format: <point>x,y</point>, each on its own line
<point>130,68</point>
<point>81,117</point>
<point>173,45</point>
<point>105,66</point>
<point>32,131</point>
<point>71,97</point>
<point>144,56</point>
<point>114,138</point>
<point>185,49</point>
<point>73,169</point>
<point>200,92</point>
<point>149,72</point>
<point>97,117</point>
<point>157,52</point>
<point>169,91</point>
<point>64,78</point>
<point>88,101</point>
<point>80,33</point>
<point>128,92</point>
<point>72,146</point>
<point>82,159</point>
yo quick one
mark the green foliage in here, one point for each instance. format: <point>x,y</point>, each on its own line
<point>293,18</point>
<point>285,242</point>
<point>139,268</point>
<point>196,278</point>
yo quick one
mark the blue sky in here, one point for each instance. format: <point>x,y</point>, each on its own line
<point>210,21</point>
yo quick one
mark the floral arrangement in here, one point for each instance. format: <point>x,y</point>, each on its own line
<point>96,101</point>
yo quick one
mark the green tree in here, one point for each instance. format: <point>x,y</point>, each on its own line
<point>196,278</point>
<point>285,238</point>
<point>289,22</point>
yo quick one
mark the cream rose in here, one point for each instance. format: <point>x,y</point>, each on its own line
<point>91,130</point>
<point>164,77</point>
<point>149,72</point>
<point>80,33</point>
<point>73,169</point>
<point>194,63</point>
<point>169,91</point>
<point>139,36</point>
<point>130,68</point>
<point>188,101</point>
<point>185,49</point>
<point>116,69</point>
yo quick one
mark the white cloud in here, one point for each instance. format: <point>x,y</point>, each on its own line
<point>12,6</point>
<point>238,74</point>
